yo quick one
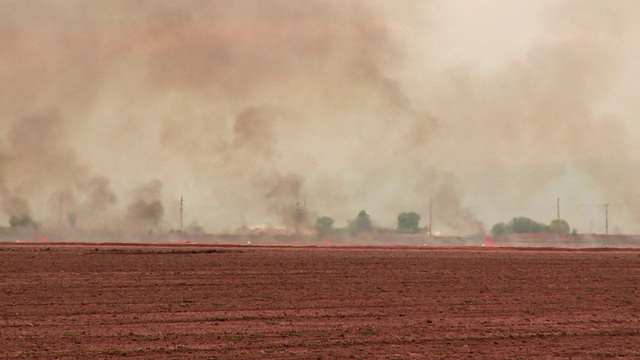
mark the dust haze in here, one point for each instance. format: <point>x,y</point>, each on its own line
<point>112,110</point>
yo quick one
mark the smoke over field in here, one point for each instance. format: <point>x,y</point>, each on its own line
<point>112,110</point>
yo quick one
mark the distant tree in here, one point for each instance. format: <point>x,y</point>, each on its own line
<point>22,221</point>
<point>194,228</point>
<point>15,221</point>
<point>73,219</point>
<point>499,229</point>
<point>324,225</point>
<point>559,226</point>
<point>523,225</point>
<point>408,223</point>
<point>361,224</point>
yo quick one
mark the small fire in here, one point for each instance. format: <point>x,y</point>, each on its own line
<point>488,241</point>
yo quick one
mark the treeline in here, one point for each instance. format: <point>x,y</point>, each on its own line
<point>523,225</point>
<point>24,221</point>
<point>407,223</point>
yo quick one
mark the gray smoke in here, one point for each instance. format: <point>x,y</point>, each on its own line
<point>145,212</point>
<point>39,164</point>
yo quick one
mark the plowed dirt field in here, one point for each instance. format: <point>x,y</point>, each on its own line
<point>110,301</point>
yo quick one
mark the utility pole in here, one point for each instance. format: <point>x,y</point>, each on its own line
<point>606,219</point>
<point>60,212</point>
<point>300,214</point>
<point>558,206</point>
<point>430,216</point>
<point>181,213</point>
<point>296,218</point>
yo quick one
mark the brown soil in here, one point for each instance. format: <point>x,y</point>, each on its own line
<point>107,301</point>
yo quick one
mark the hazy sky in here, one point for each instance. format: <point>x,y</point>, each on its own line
<point>492,109</point>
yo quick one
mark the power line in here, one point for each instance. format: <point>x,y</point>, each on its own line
<point>564,206</point>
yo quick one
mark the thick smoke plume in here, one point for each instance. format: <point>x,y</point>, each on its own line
<point>144,214</point>
<point>256,109</point>
<point>285,196</point>
<point>38,164</point>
